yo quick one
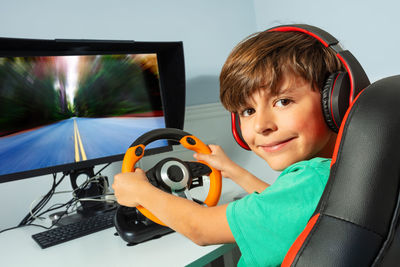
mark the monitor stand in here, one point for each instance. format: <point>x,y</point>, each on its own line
<point>94,189</point>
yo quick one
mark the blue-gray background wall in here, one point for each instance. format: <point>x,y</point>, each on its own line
<point>367,28</point>
<point>207,28</point>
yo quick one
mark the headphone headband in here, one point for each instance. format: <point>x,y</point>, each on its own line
<point>325,38</point>
<point>358,78</point>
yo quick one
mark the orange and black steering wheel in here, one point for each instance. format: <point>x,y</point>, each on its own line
<point>171,174</point>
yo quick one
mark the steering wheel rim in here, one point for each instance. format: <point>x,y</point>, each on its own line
<point>136,151</point>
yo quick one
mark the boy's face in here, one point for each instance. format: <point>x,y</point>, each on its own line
<point>288,127</point>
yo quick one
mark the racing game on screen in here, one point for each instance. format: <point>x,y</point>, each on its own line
<point>56,110</point>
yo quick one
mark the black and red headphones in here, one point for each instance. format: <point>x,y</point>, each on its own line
<point>340,88</point>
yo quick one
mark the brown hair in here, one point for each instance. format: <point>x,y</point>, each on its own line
<point>259,61</point>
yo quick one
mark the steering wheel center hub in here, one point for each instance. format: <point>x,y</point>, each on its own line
<point>174,174</point>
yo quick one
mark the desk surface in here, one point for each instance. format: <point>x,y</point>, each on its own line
<point>17,248</point>
<point>104,249</point>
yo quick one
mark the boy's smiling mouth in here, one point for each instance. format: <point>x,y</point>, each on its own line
<point>276,146</point>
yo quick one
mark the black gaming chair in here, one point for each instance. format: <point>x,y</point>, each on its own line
<point>356,222</point>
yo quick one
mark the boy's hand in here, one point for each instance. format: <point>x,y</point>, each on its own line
<point>126,185</point>
<point>217,159</point>
<point>229,169</point>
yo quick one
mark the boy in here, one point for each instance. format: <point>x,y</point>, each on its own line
<point>273,81</point>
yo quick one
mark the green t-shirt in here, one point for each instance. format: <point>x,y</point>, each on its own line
<point>266,224</point>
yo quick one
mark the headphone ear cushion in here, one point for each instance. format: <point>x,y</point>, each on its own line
<point>237,133</point>
<point>326,93</point>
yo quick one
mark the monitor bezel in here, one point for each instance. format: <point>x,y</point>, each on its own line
<point>171,66</point>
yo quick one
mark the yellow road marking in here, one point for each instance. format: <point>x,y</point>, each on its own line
<point>78,144</point>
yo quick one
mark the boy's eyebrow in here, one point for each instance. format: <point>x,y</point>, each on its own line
<point>288,89</point>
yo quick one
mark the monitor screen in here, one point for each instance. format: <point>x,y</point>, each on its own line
<point>69,110</point>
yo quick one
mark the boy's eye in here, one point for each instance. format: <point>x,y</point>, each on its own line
<point>282,102</point>
<point>247,112</point>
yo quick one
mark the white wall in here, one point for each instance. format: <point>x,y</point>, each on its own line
<point>208,29</point>
<point>367,28</point>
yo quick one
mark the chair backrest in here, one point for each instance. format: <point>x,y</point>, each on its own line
<point>356,222</point>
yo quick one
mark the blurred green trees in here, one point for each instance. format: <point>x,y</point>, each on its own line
<point>27,95</point>
<point>33,90</point>
<point>114,86</point>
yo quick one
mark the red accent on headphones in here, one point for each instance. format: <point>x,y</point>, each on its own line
<point>339,90</point>
<point>297,29</point>
<point>238,134</point>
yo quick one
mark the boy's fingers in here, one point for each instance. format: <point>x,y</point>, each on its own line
<point>213,147</point>
<point>197,156</point>
<point>138,170</point>
<point>200,156</point>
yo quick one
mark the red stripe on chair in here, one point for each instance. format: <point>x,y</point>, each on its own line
<point>294,249</point>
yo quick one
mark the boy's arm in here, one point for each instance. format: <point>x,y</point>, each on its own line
<point>246,180</point>
<point>229,169</point>
<point>203,225</point>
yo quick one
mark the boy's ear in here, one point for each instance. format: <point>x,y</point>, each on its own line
<point>335,99</point>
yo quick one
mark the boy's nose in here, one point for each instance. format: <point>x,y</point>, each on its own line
<point>264,124</point>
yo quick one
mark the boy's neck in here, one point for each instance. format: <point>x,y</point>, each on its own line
<point>327,151</point>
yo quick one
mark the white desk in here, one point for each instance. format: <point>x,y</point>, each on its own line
<point>104,249</point>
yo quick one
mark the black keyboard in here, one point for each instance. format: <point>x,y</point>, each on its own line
<point>71,231</point>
